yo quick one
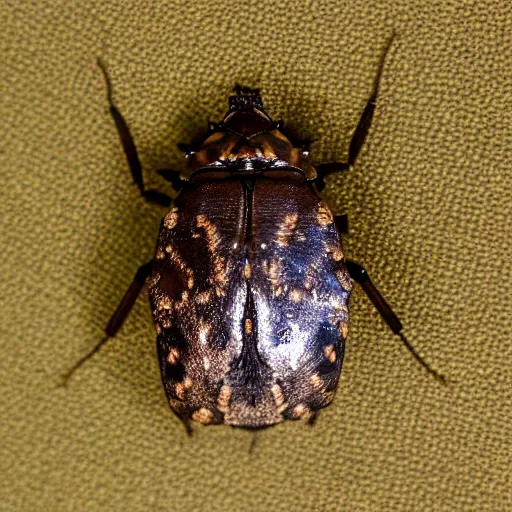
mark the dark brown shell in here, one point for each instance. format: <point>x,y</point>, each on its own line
<point>249,296</point>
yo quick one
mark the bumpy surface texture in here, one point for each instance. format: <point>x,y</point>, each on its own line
<point>429,201</point>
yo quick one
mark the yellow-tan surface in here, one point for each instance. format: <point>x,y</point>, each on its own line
<point>429,203</point>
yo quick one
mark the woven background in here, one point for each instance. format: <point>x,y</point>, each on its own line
<point>429,204</point>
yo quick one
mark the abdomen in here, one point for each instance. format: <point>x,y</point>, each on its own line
<point>249,297</point>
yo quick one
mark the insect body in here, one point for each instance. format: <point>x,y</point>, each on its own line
<point>249,287</point>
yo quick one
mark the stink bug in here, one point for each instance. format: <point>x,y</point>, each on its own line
<point>249,286</point>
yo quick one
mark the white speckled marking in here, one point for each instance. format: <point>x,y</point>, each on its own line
<point>173,356</point>
<point>324,215</point>
<point>278,395</point>
<point>181,387</point>
<point>203,416</point>
<point>316,381</point>
<point>330,353</point>
<point>171,219</point>
<point>299,411</point>
<point>344,329</point>
<point>224,397</point>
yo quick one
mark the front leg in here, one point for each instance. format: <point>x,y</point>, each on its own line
<point>360,132</point>
<point>130,149</point>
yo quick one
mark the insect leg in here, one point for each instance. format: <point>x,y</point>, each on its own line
<point>129,148</point>
<point>365,122</point>
<point>118,317</point>
<point>360,132</point>
<point>253,442</point>
<point>324,170</point>
<point>313,417</point>
<point>359,274</point>
<point>185,422</point>
<point>173,177</point>
<point>127,302</point>
<point>341,222</point>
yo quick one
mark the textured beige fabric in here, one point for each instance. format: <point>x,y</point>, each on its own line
<point>429,203</point>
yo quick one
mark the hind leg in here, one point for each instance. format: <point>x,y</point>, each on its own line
<point>359,274</point>
<point>118,317</point>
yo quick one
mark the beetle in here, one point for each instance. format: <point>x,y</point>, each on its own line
<point>249,286</point>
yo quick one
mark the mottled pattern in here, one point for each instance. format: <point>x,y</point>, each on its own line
<point>249,295</point>
<point>204,250</point>
<point>429,202</point>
